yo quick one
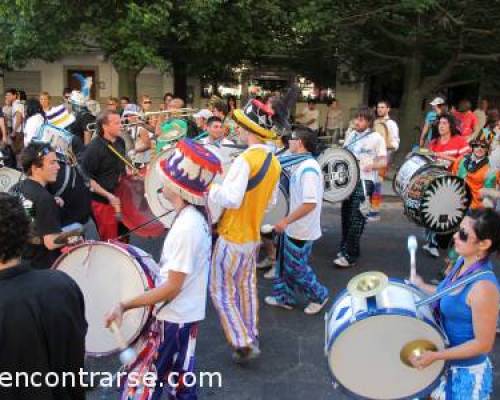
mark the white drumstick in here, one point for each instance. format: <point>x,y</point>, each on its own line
<point>412,248</point>
<point>127,354</point>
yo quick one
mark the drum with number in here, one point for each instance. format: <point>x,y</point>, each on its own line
<point>340,172</point>
<point>414,163</point>
<point>372,330</point>
<point>8,178</point>
<point>108,273</point>
<point>436,199</point>
<point>280,210</point>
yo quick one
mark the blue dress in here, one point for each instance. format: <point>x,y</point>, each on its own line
<point>468,379</point>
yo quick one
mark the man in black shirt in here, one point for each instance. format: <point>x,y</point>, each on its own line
<point>105,168</point>
<point>42,319</point>
<point>40,164</point>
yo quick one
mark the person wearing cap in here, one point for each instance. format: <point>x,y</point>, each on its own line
<point>299,229</point>
<point>438,105</point>
<point>476,170</point>
<point>249,187</point>
<point>168,347</point>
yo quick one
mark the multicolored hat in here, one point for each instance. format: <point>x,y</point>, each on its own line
<point>485,136</point>
<point>256,117</point>
<point>190,170</point>
<point>60,117</point>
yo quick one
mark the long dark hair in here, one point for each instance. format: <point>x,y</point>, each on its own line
<point>486,225</point>
<point>34,107</point>
<point>451,121</point>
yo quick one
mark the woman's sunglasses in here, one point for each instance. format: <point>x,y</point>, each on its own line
<point>462,235</point>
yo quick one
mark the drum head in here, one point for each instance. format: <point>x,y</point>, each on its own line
<point>281,208</point>
<point>106,275</point>
<point>444,203</point>
<point>340,172</point>
<point>153,191</point>
<point>8,178</point>
<point>413,163</point>
<point>365,358</point>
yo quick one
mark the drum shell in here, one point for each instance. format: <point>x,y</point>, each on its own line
<point>282,207</point>
<point>8,178</point>
<point>414,164</point>
<point>396,302</point>
<point>80,264</point>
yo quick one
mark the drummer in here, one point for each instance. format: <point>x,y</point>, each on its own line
<point>469,315</point>
<point>181,286</point>
<point>299,229</point>
<point>39,163</point>
<point>447,146</point>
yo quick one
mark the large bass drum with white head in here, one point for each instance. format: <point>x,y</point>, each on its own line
<point>372,330</point>
<point>340,173</point>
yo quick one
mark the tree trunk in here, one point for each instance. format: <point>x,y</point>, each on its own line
<point>410,110</point>
<point>127,83</point>
<point>180,78</point>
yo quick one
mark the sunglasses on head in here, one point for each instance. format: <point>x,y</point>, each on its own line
<point>44,151</point>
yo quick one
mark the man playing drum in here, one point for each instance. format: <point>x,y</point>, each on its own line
<point>369,148</point>
<point>299,229</point>
<point>248,188</point>
<point>169,343</point>
<point>42,314</point>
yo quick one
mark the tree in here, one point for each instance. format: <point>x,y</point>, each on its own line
<point>431,41</point>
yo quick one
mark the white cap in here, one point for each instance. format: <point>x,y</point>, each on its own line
<point>437,101</point>
<point>203,113</point>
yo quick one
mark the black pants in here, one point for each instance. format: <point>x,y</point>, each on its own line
<point>353,222</point>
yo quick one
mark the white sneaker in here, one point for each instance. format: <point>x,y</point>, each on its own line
<point>314,308</point>
<point>271,274</point>
<point>273,301</point>
<point>342,262</point>
<point>373,218</point>
<point>265,263</point>
<point>432,251</point>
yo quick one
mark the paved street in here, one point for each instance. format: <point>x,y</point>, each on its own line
<point>292,365</point>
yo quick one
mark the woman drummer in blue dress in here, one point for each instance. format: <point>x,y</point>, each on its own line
<point>469,314</point>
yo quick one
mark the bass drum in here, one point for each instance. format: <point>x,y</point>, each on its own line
<point>281,208</point>
<point>8,178</point>
<point>340,173</point>
<point>437,200</point>
<point>368,340</point>
<point>413,164</point>
<point>108,273</point>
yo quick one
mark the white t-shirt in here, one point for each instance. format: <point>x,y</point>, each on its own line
<point>31,127</point>
<point>187,249</point>
<point>366,147</point>
<point>306,186</point>
<point>17,108</point>
<point>308,115</point>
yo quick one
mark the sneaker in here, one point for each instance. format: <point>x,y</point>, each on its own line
<point>314,308</point>
<point>265,263</point>
<point>271,274</point>
<point>431,250</point>
<point>373,217</point>
<point>244,354</point>
<point>273,301</point>
<point>341,262</point>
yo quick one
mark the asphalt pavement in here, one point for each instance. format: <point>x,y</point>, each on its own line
<point>292,365</point>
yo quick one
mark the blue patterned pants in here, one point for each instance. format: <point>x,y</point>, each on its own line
<point>293,272</point>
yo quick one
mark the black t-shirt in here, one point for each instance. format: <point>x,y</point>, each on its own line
<point>102,165</point>
<point>46,221</point>
<point>72,188</point>
<point>78,128</point>
<point>42,330</point>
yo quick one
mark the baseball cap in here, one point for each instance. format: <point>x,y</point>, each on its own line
<point>203,113</point>
<point>437,101</point>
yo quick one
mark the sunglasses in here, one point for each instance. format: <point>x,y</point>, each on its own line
<point>463,236</point>
<point>481,145</point>
<point>147,102</point>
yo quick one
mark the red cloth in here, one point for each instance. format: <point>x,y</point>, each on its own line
<point>455,147</point>
<point>467,122</point>
<point>105,219</point>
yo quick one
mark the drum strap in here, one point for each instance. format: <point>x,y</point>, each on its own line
<point>259,176</point>
<point>67,175</point>
<point>357,139</point>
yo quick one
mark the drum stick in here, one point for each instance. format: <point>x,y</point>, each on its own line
<point>412,248</point>
<point>127,354</point>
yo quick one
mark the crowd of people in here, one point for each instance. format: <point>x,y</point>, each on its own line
<point>204,257</point>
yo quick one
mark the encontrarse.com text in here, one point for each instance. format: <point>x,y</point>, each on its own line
<point>105,379</point>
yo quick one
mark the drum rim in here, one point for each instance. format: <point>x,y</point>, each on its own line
<point>12,173</point>
<point>356,168</point>
<point>420,169</point>
<point>147,311</point>
<point>467,205</point>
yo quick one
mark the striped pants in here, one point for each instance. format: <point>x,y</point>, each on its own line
<point>353,222</point>
<point>233,289</point>
<point>167,351</point>
<point>293,272</point>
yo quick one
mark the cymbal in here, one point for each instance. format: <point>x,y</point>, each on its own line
<point>367,284</point>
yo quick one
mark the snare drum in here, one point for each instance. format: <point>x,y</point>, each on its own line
<point>368,340</point>
<point>340,173</point>
<point>107,274</point>
<point>8,178</point>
